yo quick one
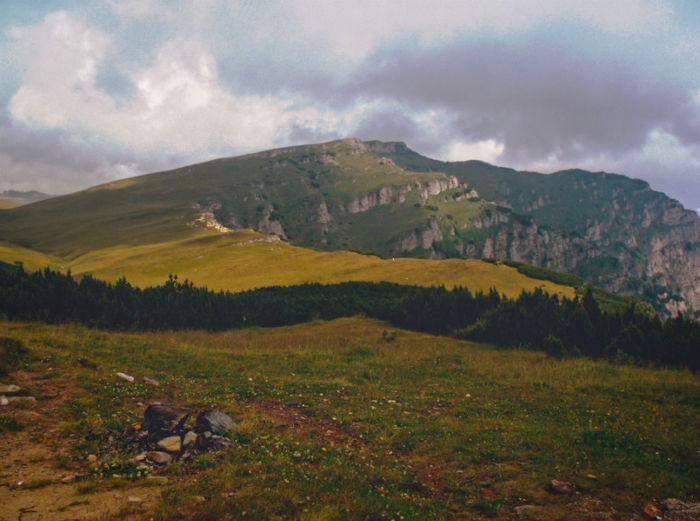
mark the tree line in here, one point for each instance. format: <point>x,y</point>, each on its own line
<point>534,320</point>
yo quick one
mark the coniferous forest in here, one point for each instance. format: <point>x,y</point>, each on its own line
<point>534,320</point>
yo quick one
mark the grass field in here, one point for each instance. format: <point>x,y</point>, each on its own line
<point>352,419</point>
<point>244,259</point>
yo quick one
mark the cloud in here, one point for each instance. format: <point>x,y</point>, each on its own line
<point>487,150</point>
<point>352,30</point>
<point>539,102</point>
<point>139,9</point>
<point>179,104</point>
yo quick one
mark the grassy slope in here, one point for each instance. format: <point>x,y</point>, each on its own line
<point>158,207</point>
<point>335,422</point>
<point>31,259</point>
<point>244,260</point>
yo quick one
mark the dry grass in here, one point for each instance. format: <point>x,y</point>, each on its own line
<point>244,260</point>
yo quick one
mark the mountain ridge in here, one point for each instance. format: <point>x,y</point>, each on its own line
<point>384,198</point>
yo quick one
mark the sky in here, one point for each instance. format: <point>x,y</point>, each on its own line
<point>95,91</point>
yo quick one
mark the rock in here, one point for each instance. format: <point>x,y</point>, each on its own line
<point>673,504</point>
<point>10,389</point>
<point>214,421</point>
<point>189,439</point>
<point>158,480</point>
<point>158,457</point>
<point>652,512</point>
<point>151,381</point>
<point>91,458</point>
<point>163,418</point>
<point>219,442</point>
<point>21,399</point>
<point>200,499</point>
<point>170,444</point>
<point>125,376</point>
<point>561,487</point>
<point>67,480</point>
<point>685,510</point>
<point>140,457</point>
<point>134,500</point>
<point>4,401</point>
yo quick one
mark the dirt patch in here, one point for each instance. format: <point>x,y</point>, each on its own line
<point>288,417</point>
<point>39,478</point>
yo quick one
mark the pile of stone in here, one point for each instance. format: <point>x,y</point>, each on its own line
<point>166,435</point>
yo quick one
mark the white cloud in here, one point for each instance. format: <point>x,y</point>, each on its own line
<point>353,29</point>
<point>488,150</point>
<point>139,9</point>
<point>180,106</point>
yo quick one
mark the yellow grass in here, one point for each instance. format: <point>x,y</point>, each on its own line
<point>244,259</point>
<point>32,260</point>
<point>6,205</point>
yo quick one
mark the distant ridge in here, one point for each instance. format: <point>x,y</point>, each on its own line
<point>20,198</point>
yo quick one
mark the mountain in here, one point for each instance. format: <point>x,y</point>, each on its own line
<point>386,199</point>
<point>14,198</point>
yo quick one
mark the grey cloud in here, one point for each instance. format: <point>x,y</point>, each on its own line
<point>394,125</point>
<point>52,162</point>
<point>536,99</point>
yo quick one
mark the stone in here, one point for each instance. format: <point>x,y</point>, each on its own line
<point>214,421</point>
<point>673,504</point>
<point>200,499</point>
<point>561,487</point>
<point>125,376</point>
<point>170,444</point>
<point>163,418</point>
<point>151,381</point>
<point>91,458</point>
<point>134,500</point>
<point>189,439</point>
<point>686,510</point>
<point>10,389</point>
<point>21,399</point>
<point>67,480</point>
<point>158,457</point>
<point>158,480</point>
<point>219,442</point>
<point>140,457</point>
<point>4,401</point>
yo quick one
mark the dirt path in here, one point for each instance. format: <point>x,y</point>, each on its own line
<point>39,479</point>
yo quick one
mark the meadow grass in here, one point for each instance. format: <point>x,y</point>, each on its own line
<point>354,419</point>
<point>245,259</point>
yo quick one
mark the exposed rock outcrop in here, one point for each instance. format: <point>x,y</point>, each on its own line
<point>390,194</point>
